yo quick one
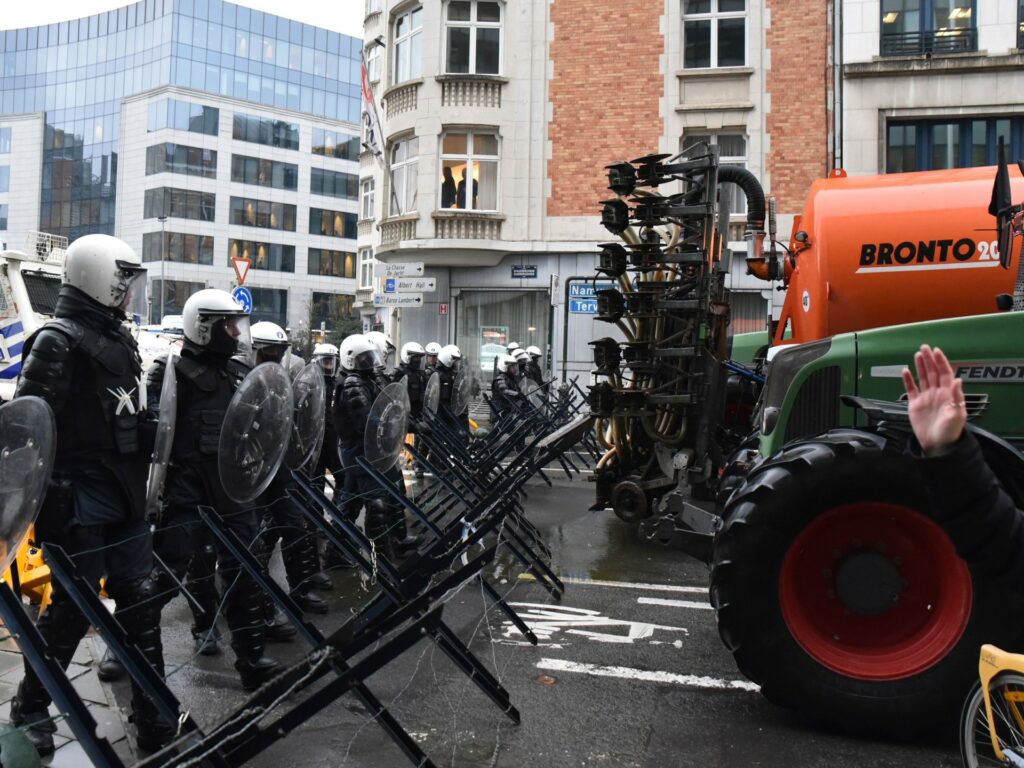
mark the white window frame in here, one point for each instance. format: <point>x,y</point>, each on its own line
<point>470,159</point>
<point>714,16</point>
<point>367,198</point>
<point>365,269</point>
<point>372,6</point>
<point>741,161</point>
<point>473,25</point>
<point>374,55</point>
<point>406,41</point>
<point>401,170</point>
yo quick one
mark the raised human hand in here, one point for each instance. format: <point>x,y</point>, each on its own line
<point>937,409</point>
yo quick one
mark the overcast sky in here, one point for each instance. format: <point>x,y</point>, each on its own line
<point>343,15</point>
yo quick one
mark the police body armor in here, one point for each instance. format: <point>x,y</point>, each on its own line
<point>353,397</point>
<point>416,385</point>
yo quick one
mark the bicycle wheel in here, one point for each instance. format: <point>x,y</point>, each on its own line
<point>1007,693</point>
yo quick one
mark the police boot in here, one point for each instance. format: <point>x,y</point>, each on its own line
<point>110,669</point>
<point>36,724</point>
<point>202,585</point>
<point>377,526</point>
<point>300,563</point>
<point>405,542</point>
<point>319,580</point>
<point>244,612</point>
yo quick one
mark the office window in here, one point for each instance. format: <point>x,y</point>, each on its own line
<point>332,223</point>
<point>732,148</point>
<point>919,27</point>
<point>714,33</point>
<point>328,308</point>
<point>332,144</point>
<point>273,257</point>
<point>469,171</point>
<point>262,130</point>
<point>175,294</point>
<point>184,116</point>
<point>177,246</point>
<point>408,46</point>
<point>3,216</point>
<point>334,184</point>
<point>927,145</point>
<point>365,268</point>
<point>5,141</point>
<point>270,304</point>
<point>473,37</point>
<point>331,263</point>
<point>179,204</point>
<point>179,158</point>
<point>368,199</point>
<point>404,168</point>
<point>248,212</point>
<point>264,173</point>
<point>5,178</point>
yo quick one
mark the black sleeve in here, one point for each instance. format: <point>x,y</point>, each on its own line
<point>356,397</point>
<point>982,520</point>
<point>154,386</point>
<point>48,368</point>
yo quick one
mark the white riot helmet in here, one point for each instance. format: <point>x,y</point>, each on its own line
<point>508,364</point>
<point>449,356</point>
<point>433,348</point>
<point>412,355</point>
<point>326,356</point>
<point>383,343</point>
<point>521,356</point>
<point>270,342</point>
<point>533,352</point>
<point>212,319</point>
<point>106,270</point>
<point>512,347</point>
<point>358,353</point>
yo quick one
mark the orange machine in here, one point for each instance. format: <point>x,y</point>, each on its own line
<point>873,251</point>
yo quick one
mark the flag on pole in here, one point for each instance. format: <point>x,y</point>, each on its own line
<point>371,121</point>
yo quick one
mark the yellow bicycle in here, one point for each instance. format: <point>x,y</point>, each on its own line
<point>992,722</point>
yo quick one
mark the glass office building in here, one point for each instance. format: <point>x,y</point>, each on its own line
<point>77,72</point>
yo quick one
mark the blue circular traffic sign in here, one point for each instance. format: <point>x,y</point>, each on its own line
<point>243,297</point>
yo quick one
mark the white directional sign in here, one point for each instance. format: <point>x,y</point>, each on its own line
<point>398,300</point>
<point>410,284</point>
<point>409,269</point>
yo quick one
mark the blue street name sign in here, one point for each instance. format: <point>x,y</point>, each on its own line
<point>583,306</point>
<point>587,290</point>
<point>243,297</point>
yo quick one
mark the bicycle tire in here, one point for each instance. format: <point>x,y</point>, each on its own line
<point>975,742</point>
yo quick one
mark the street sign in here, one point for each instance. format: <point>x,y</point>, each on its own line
<point>398,300</point>
<point>587,290</point>
<point>409,269</point>
<point>243,297</point>
<point>582,306</point>
<point>524,271</point>
<point>410,284</point>
<point>241,265</point>
<point>442,309</point>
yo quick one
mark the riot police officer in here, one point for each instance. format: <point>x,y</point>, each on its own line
<point>533,369</point>
<point>215,326</point>
<point>327,357</point>
<point>505,387</point>
<point>386,347</point>
<point>432,349</point>
<point>86,365</point>
<point>448,361</point>
<point>283,521</point>
<point>413,372</point>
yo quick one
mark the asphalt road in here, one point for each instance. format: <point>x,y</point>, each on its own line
<point>629,672</point>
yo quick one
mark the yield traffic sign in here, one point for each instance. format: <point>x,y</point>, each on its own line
<point>241,265</point>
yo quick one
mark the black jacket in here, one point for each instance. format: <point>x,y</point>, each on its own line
<point>353,398</point>
<point>417,384</point>
<point>980,517</point>
<point>534,373</point>
<point>503,388</point>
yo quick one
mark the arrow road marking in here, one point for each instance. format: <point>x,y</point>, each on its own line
<point>548,620</point>
<point>651,676</point>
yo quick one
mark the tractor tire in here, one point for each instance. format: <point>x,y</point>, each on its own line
<point>842,599</point>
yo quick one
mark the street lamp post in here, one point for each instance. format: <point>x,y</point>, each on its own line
<point>163,254</point>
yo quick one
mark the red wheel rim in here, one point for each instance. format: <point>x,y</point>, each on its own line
<point>875,591</point>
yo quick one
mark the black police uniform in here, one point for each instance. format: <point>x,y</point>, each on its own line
<point>86,365</point>
<point>446,378</point>
<point>534,373</point>
<point>207,380</point>
<point>503,388</point>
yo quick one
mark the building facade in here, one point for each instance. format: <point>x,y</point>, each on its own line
<point>197,130</point>
<point>529,101</point>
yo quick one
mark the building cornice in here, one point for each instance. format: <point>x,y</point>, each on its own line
<point>950,64</point>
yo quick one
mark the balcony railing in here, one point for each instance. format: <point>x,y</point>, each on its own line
<point>930,43</point>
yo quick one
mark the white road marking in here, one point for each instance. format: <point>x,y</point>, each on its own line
<point>546,621</point>
<point>624,584</point>
<point>652,676</point>
<point>674,603</point>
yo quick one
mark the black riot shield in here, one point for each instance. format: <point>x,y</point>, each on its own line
<point>386,427</point>
<point>28,440</point>
<point>256,432</point>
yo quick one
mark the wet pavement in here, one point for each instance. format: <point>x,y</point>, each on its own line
<point>629,672</point>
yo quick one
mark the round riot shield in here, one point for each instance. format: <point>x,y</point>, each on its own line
<point>432,393</point>
<point>532,391</point>
<point>462,391</point>
<point>164,438</point>
<point>308,417</point>
<point>256,431</point>
<point>28,439</point>
<point>386,427</point>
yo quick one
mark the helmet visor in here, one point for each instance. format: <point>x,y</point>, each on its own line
<point>328,364</point>
<point>229,335</point>
<point>270,353</point>
<point>415,362</point>
<point>368,360</point>
<point>131,286</point>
